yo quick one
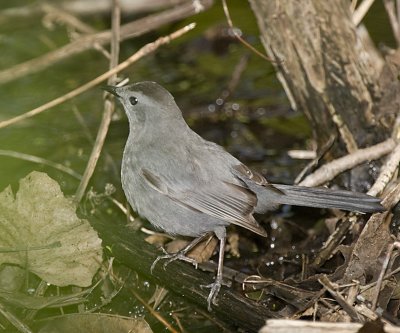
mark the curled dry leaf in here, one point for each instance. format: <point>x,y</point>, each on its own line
<point>39,230</point>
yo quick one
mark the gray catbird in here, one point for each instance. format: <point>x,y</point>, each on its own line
<point>188,186</point>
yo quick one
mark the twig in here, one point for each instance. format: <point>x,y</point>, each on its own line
<point>332,169</point>
<point>314,163</point>
<point>361,11</point>
<point>129,30</point>
<point>299,154</point>
<point>109,105</point>
<point>380,279</point>
<point>57,14</point>
<point>252,48</point>
<point>233,82</point>
<point>68,19</point>
<point>145,50</point>
<point>398,8</point>
<point>392,198</point>
<point>372,284</point>
<point>325,282</point>
<point>353,5</point>
<point>109,159</point>
<point>387,172</point>
<point>18,324</point>
<point>83,124</point>
<point>344,131</point>
<point>331,244</point>
<point>154,313</point>
<point>36,159</point>
<point>393,19</point>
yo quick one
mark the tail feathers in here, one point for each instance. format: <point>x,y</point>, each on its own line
<point>327,198</point>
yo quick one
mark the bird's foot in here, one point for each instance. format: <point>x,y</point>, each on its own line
<point>214,290</point>
<point>180,255</point>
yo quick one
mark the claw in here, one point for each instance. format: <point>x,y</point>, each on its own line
<point>172,257</point>
<point>157,260</point>
<point>212,296</point>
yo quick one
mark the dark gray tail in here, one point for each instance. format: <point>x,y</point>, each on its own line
<point>327,198</point>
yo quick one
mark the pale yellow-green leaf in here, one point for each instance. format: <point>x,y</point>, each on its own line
<point>39,230</point>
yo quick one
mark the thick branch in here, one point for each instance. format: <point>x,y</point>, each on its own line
<point>181,278</point>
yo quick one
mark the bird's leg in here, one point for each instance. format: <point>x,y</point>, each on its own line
<point>180,255</point>
<point>216,285</point>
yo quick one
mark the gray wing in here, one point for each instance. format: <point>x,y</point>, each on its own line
<point>222,200</point>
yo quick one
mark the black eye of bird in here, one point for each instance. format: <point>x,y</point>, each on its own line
<point>133,100</point>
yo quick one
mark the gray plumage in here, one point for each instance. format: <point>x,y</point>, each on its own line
<point>188,186</point>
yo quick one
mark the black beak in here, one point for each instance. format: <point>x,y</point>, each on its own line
<point>111,90</point>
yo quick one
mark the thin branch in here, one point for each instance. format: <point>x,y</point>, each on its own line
<point>109,105</point>
<point>18,324</point>
<point>361,11</point>
<point>391,199</point>
<point>344,131</point>
<point>145,50</point>
<point>63,17</point>
<point>353,5</point>
<point>380,279</point>
<point>331,244</point>
<point>330,170</point>
<point>58,14</point>
<point>330,287</point>
<point>386,173</point>
<point>129,30</point>
<point>154,313</point>
<point>252,48</point>
<point>393,19</point>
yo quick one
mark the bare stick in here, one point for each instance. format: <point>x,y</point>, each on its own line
<point>109,105</point>
<point>386,173</point>
<point>391,199</point>
<point>345,133</point>
<point>153,312</point>
<point>394,23</point>
<point>387,276</point>
<point>68,19</point>
<point>330,287</point>
<point>252,48</point>
<point>353,5</point>
<point>330,170</point>
<point>129,30</point>
<point>18,324</point>
<point>145,50</point>
<point>61,16</point>
<point>379,281</point>
<point>361,11</point>
<point>333,241</point>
